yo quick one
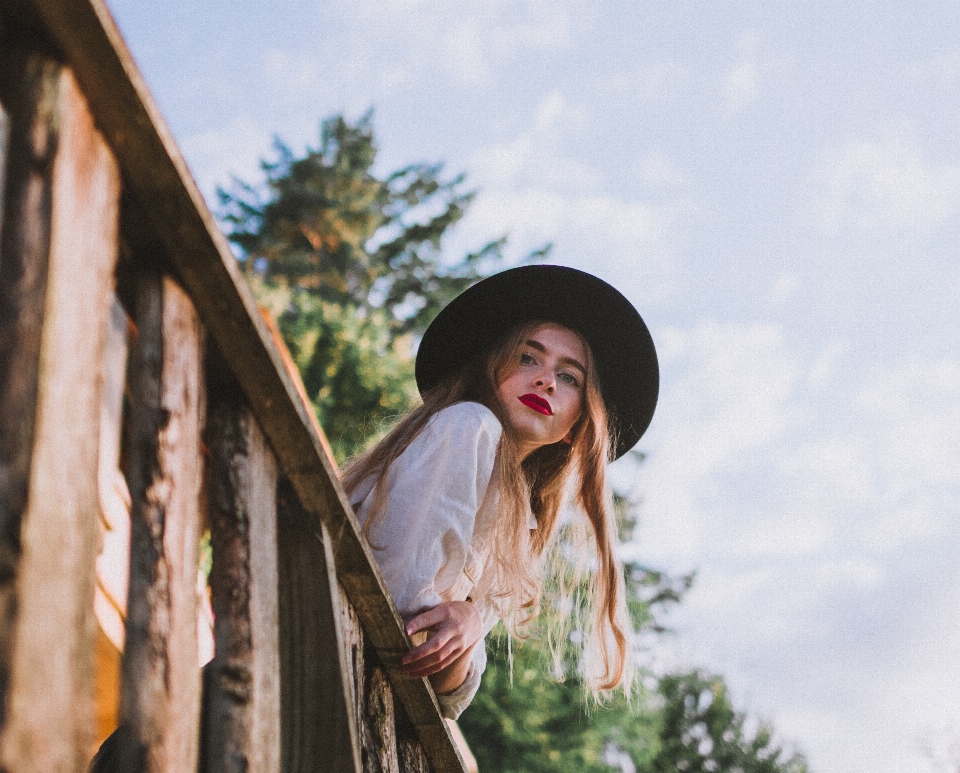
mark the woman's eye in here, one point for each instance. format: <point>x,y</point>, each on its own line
<point>568,378</point>
<point>527,359</point>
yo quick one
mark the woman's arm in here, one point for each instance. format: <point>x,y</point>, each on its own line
<point>433,491</point>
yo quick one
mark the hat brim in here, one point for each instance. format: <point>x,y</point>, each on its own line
<point>626,361</point>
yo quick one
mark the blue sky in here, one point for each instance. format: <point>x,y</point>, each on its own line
<point>776,185</point>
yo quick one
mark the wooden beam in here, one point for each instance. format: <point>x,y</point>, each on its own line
<point>242,723</point>
<point>49,720</point>
<point>160,695</point>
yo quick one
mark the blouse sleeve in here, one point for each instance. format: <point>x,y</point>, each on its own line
<point>434,489</point>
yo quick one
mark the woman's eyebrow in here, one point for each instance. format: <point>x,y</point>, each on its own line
<point>534,344</point>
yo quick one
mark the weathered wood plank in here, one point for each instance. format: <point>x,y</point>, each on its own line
<point>318,727</point>
<point>354,652</point>
<point>49,721</point>
<point>380,738</point>
<point>242,730</point>
<point>30,88</point>
<point>160,696</point>
<point>158,176</point>
<point>412,757</point>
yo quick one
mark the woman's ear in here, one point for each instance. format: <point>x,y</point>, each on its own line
<point>567,439</point>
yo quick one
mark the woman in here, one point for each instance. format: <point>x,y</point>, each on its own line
<point>532,380</point>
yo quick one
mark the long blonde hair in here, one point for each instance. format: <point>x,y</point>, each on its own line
<point>537,484</point>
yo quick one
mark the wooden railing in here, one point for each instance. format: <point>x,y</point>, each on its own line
<point>131,346</point>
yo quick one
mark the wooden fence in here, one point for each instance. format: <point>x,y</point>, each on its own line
<point>131,347</point>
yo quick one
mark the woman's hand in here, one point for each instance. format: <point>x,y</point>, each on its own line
<point>452,627</point>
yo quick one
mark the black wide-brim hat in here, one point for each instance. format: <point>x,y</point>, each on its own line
<point>626,361</point>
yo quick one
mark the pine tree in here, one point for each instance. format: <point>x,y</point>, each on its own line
<point>702,733</point>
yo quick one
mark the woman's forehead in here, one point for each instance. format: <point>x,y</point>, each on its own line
<point>556,336</point>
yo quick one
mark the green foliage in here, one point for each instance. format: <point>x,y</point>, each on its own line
<point>327,224</point>
<point>533,723</point>
<point>702,733</point>
<point>357,373</point>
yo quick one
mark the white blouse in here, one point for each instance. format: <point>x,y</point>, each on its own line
<point>431,541</point>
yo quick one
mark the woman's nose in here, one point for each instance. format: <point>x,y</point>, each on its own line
<point>546,381</point>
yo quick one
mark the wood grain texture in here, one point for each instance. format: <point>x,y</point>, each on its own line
<point>354,652</point>
<point>318,726</point>
<point>411,755</point>
<point>379,727</point>
<point>4,146</point>
<point>242,730</point>
<point>160,696</point>
<point>29,88</point>
<point>159,179</point>
<point>49,725</point>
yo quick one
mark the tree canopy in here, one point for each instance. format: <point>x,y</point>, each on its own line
<point>327,224</point>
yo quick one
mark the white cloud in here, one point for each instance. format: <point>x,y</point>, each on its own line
<point>914,410</point>
<point>292,74</point>
<point>598,232</point>
<point>727,396</point>
<point>539,154</point>
<point>468,40</point>
<point>741,83</point>
<point>828,362</point>
<point>884,185</point>
<point>783,289</point>
<point>942,70</point>
<point>537,188</point>
<point>654,82</point>
<point>658,171</point>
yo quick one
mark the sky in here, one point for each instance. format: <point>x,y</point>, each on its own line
<point>776,186</point>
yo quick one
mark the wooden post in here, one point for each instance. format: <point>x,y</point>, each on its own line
<point>59,250</point>
<point>160,694</point>
<point>30,94</point>
<point>318,725</point>
<point>242,704</point>
<point>4,138</point>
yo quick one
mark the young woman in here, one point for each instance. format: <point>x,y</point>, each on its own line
<point>532,380</point>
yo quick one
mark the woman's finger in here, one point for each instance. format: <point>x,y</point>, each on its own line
<point>453,626</point>
<point>443,637</point>
<point>437,662</point>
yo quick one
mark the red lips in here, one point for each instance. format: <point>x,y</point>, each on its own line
<point>537,403</point>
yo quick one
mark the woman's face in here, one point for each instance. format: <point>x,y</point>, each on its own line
<point>542,395</point>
